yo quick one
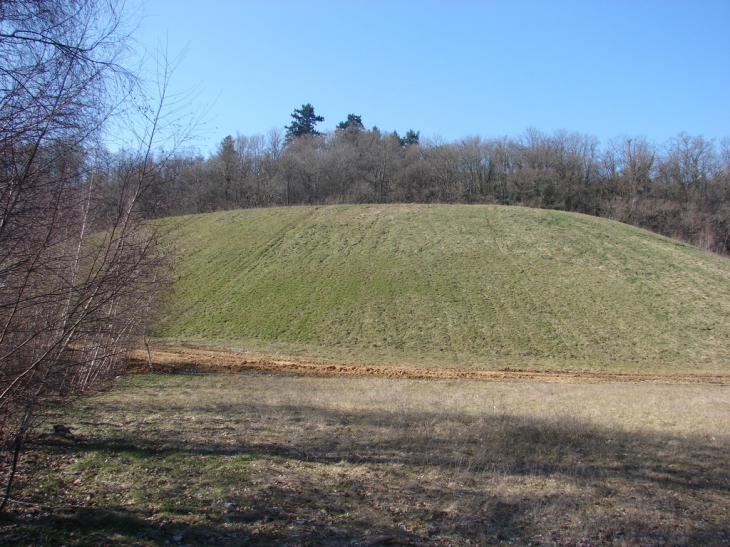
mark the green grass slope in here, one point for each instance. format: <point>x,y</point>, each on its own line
<point>454,286</point>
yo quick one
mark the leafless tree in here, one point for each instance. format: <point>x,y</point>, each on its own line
<point>630,162</point>
<point>689,163</point>
<point>381,159</point>
<point>303,164</point>
<point>77,264</point>
<point>473,165</point>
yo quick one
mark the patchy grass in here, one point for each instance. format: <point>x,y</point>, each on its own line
<point>482,287</point>
<point>267,460</point>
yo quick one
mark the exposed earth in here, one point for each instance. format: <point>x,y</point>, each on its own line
<point>169,358</point>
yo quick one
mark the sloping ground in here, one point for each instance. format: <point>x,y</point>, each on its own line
<point>464,287</point>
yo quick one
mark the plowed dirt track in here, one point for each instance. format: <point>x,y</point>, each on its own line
<point>167,359</point>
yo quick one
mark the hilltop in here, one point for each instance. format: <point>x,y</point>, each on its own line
<point>457,286</point>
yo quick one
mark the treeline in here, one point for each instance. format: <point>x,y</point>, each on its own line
<point>680,189</point>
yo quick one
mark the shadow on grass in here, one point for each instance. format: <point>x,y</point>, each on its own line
<point>504,443</point>
<point>655,486</point>
<point>112,527</point>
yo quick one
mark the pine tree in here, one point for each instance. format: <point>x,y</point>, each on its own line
<point>304,121</point>
<point>352,121</point>
<point>412,137</point>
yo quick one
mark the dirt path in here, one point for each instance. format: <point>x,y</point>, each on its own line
<point>179,358</point>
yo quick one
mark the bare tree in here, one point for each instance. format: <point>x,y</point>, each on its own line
<point>380,160</point>
<point>689,162</point>
<point>630,161</point>
<point>76,263</point>
<point>303,164</point>
<point>473,165</point>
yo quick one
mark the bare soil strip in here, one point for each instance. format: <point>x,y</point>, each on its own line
<point>190,359</point>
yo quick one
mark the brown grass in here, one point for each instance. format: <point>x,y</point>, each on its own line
<point>271,460</point>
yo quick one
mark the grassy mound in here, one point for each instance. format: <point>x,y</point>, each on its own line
<point>458,286</point>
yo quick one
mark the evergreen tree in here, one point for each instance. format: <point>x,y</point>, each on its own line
<point>412,137</point>
<point>228,167</point>
<point>304,121</point>
<point>352,121</point>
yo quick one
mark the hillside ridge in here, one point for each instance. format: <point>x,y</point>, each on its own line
<point>473,286</point>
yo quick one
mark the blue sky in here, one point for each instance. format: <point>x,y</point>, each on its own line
<point>453,69</point>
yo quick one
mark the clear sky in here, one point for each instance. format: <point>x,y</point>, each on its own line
<point>451,69</point>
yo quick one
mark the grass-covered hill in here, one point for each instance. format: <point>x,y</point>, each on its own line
<point>456,286</point>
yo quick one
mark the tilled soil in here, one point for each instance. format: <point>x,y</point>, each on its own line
<point>168,358</point>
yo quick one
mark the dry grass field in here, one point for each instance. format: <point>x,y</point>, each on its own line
<point>257,459</point>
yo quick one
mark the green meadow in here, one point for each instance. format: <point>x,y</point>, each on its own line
<point>449,286</point>
<point>278,460</point>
